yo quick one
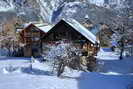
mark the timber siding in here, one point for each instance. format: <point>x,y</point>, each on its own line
<point>68,31</point>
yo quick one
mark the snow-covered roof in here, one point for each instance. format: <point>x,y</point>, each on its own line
<point>42,26</point>
<point>72,22</point>
<point>81,29</point>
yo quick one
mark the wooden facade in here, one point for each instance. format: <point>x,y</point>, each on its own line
<point>64,31</point>
<point>31,37</point>
<point>34,38</point>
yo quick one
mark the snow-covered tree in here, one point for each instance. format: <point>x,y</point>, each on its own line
<point>124,26</point>
<point>64,54</point>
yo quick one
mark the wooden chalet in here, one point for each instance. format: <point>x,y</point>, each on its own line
<point>31,38</point>
<point>73,31</point>
<point>34,37</point>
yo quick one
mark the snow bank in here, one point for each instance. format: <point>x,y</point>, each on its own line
<point>107,55</point>
<point>11,69</point>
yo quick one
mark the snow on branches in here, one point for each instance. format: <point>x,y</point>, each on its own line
<point>64,54</point>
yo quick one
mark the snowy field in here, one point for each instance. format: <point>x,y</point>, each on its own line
<point>113,74</point>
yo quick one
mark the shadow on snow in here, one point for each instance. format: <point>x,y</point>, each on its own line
<point>100,81</point>
<point>35,71</point>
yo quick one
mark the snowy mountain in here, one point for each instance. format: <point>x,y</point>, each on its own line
<point>24,9</point>
<point>51,11</point>
<point>108,3</point>
<point>6,5</point>
<point>54,10</point>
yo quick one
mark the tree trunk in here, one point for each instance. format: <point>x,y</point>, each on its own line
<point>60,68</point>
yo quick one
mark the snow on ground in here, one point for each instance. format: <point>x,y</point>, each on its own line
<point>124,66</point>
<point>107,54</point>
<point>114,74</point>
